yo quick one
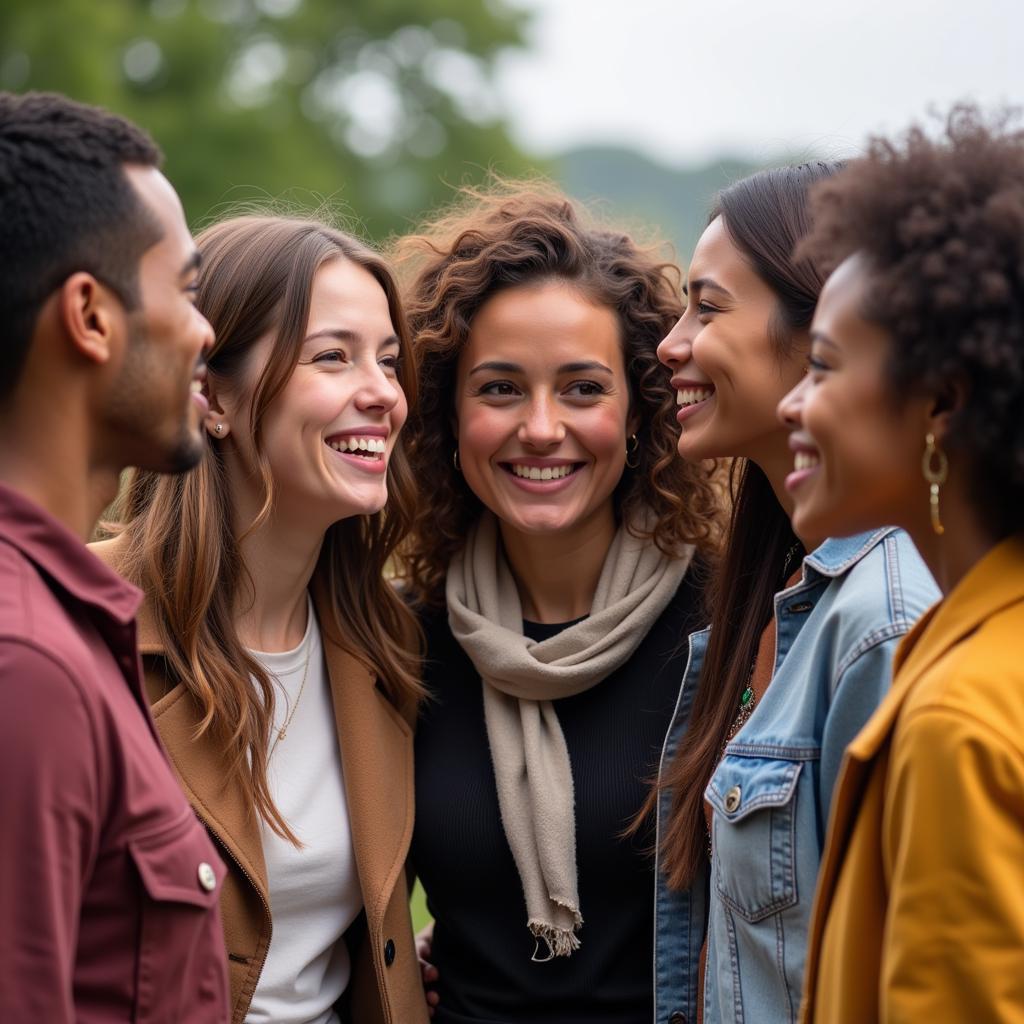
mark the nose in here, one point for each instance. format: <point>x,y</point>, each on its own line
<point>676,347</point>
<point>541,427</point>
<point>791,408</point>
<point>377,391</point>
<point>206,336</point>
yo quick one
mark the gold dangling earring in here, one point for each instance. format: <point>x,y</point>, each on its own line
<point>632,447</point>
<point>935,467</point>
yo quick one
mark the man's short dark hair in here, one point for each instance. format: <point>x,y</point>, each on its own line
<point>65,206</point>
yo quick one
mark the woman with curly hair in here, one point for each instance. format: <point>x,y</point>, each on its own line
<point>559,565</point>
<point>911,414</point>
<point>798,653</point>
<point>279,662</point>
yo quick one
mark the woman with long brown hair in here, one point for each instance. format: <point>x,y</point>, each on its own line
<point>799,649</point>
<point>279,661</point>
<point>558,566</point>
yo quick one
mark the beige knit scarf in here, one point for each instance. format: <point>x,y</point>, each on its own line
<point>520,679</point>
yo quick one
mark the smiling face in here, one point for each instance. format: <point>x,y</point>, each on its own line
<point>329,434</point>
<point>856,449</point>
<point>542,404</point>
<point>154,407</point>
<point>727,371</point>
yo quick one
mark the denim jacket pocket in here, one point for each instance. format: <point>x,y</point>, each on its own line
<point>754,862</point>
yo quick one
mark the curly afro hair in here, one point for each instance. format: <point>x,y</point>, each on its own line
<point>514,234</point>
<point>940,223</point>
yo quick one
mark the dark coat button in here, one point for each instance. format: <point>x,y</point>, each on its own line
<point>677,1018</point>
<point>389,953</point>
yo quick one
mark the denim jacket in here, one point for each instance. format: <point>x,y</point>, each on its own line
<point>836,632</point>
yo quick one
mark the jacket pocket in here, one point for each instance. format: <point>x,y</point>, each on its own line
<point>754,864</point>
<point>180,955</point>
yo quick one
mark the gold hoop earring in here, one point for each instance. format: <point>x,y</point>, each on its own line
<point>455,459</point>
<point>632,447</point>
<point>935,467</point>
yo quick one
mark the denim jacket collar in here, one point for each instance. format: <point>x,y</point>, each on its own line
<point>837,555</point>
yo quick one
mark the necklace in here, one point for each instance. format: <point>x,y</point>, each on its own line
<point>283,731</point>
<point>748,698</point>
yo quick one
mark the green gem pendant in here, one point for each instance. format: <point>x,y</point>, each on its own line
<point>746,697</point>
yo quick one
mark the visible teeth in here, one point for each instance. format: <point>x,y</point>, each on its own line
<point>805,460</point>
<point>541,473</point>
<point>371,445</point>
<point>196,387</point>
<point>691,396</point>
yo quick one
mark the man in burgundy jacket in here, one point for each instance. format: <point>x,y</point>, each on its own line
<point>108,883</point>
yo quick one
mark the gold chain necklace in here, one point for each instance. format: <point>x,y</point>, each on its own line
<point>283,731</point>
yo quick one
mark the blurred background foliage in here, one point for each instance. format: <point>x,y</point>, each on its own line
<point>379,107</point>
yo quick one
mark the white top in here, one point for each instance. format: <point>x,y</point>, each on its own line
<point>314,892</point>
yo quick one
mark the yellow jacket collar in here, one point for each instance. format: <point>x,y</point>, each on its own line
<point>993,583</point>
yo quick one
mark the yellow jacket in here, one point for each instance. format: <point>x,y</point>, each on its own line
<point>919,913</point>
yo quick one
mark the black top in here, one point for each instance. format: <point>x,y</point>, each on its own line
<point>614,732</point>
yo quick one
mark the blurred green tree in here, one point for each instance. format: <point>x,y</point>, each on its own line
<point>376,105</point>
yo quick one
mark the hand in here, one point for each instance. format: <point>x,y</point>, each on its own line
<point>424,946</point>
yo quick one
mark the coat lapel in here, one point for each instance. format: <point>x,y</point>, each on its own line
<point>376,757</point>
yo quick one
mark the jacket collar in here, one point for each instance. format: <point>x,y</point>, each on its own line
<point>995,582</point>
<point>837,555</point>
<point>61,556</point>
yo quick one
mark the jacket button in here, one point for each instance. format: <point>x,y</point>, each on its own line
<point>732,798</point>
<point>389,953</point>
<point>207,878</point>
<point>677,1018</point>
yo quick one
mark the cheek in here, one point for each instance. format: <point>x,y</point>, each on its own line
<point>603,432</point>
<point>482,430</point>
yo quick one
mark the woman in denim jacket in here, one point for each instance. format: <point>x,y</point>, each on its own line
<point>797,657</point>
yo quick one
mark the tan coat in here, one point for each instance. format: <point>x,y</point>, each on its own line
<point>919,914</point>
<point>377,759</point>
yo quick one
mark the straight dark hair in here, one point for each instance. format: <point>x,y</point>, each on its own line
<point>765,215</point>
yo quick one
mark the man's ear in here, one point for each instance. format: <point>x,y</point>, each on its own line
<point>91,315</point>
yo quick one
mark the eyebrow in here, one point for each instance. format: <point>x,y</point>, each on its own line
<point>342,334</point>
<point>823,339</point>
<point>706,284</point>
<point>586,366</point>
<point>192,263</point>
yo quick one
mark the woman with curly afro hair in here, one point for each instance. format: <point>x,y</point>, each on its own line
<point>558,563</point>
<point>911,414</point>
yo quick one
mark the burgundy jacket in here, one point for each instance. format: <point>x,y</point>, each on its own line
<point>108,883</point>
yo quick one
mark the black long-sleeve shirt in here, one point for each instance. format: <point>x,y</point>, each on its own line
<point>614,732</point>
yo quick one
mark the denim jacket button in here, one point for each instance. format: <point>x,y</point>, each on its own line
<point>677,1018</point>
<point>732,799</point>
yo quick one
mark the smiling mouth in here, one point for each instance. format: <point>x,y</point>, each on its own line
<point>370,448</point>
<point>805,460</point>
<point>693,396</point>
<point>524,472</point>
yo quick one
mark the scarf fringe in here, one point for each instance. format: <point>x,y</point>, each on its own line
<point>559,941</point>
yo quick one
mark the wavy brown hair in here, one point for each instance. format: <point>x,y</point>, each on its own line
<point>256,278</point>
<point>505,237</point>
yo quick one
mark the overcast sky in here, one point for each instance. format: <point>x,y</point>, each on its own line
<point>688,80</point>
